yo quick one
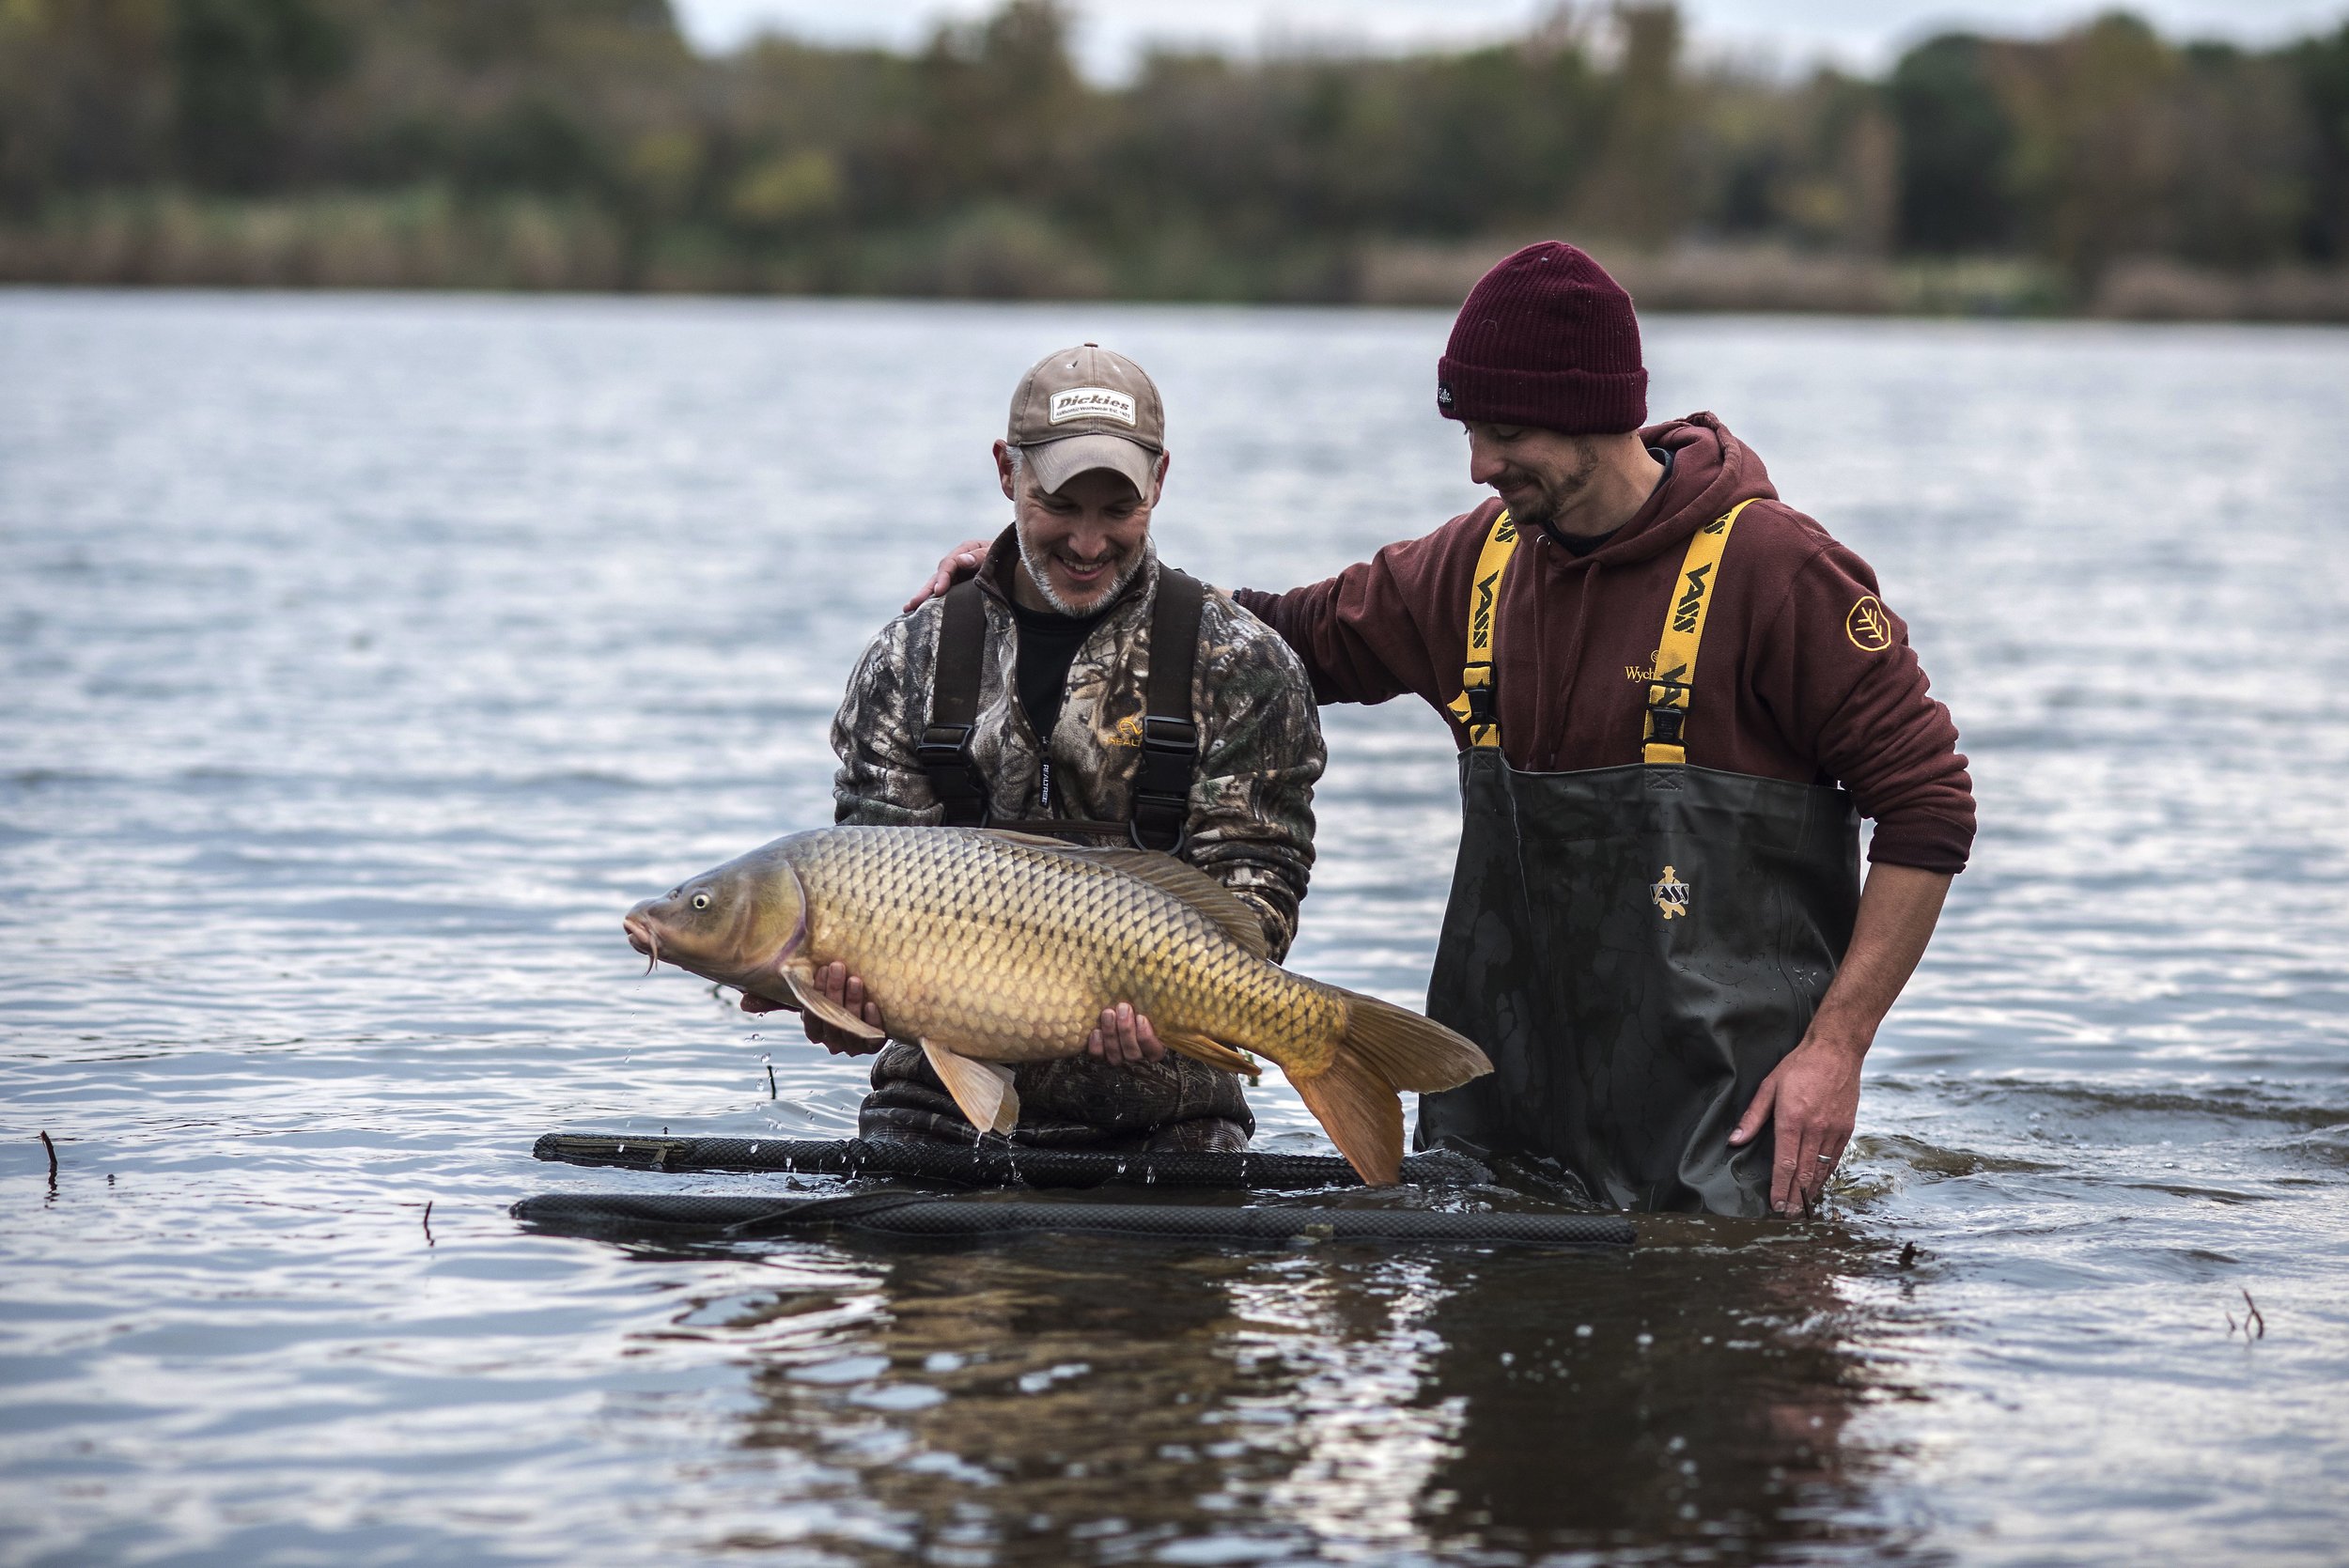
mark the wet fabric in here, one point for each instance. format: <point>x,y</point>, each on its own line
<point>1635,948</point>
<point>1077,1102</point>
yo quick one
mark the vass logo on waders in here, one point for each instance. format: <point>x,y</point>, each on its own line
<point>1684,612</point>
<point>1670,893</point>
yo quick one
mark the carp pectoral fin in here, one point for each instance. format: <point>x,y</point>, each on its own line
<point>1215,1053</point>
<point>816,1005</point>
<point>1362,1113</point>
<point>982,1089</point>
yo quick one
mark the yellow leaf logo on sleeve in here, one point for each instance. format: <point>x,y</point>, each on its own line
<point>1869,625</point>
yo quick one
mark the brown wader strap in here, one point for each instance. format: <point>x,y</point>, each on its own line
<point>945,752</point>
<point>1170,738</point>
<point>1673,680</point>
<point>1477,707</point>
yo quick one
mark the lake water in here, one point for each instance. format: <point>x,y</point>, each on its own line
<point>364,656</point>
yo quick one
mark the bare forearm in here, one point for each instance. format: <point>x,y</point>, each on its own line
<point>1898,910</point>
<point>1811,1099</point>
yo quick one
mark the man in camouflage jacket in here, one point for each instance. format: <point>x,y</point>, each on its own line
<point>1083,465</point>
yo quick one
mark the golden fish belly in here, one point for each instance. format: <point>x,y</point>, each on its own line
<point>1006,953</point>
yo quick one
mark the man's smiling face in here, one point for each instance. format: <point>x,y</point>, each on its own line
<point>1539,473</point>
<point>1083,542</point>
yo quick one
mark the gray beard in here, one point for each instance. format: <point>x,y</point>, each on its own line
<point>1035,564</point>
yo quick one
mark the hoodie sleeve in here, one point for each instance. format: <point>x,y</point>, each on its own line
<point>1835,667</point>
<point>1386,626</point>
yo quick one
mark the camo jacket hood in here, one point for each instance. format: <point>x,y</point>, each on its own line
<point>1251,820</point>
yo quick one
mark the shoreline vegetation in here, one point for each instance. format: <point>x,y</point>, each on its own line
<point>545,145</point>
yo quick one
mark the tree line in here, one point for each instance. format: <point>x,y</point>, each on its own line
<point>582,142</point>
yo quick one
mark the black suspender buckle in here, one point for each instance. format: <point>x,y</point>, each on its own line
<point>1664,724</point>
<point>1483,697</point>
<point>1170,751</point>
<point>944,754</point>
<point>1161,735</point>
<point>941,744</point>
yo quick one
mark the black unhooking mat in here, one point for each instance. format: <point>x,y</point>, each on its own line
<point>928,1215</point>
<point>991,1164</point>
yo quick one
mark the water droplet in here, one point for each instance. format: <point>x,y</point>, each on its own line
<point>1581,1331</point>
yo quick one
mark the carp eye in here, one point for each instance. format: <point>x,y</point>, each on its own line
<point>701,901</point>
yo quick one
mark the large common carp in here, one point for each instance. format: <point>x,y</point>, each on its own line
<point>991,948</point>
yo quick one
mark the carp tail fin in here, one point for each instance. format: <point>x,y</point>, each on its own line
<point>982,1090</point>
<point>1360,1111</point>
<point>1409,1049</point>
<point>1385,1050</point>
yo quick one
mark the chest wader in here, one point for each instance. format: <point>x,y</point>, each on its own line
<point>1074,1102</point>
<point>1635,948</point>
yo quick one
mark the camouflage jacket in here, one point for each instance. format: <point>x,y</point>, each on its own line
<point>1251,820</point>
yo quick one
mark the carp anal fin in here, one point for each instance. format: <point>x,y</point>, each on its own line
<point>1225,909</point>
<point>982,1089</point>
<point>1215,1053</point>
<point>816,1005</point>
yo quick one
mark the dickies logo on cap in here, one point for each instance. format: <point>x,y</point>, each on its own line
<point>1092,402</point>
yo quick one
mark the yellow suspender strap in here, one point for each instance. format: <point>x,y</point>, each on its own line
<point>1474,705</point>
<point>1673,678</point>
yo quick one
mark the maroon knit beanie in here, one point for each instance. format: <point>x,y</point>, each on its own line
<point>1546,339</point>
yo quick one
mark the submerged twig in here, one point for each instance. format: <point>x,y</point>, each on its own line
<point>427,1224</point>
<point>770,1080</point>
<point>53,1158</point>
<point>2252,1316</point>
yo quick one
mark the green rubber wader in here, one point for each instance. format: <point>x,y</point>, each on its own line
<point>1625,1040</point>
<point>1635,948</point>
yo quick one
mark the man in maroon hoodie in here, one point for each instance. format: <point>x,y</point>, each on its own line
<point>1656,927</point>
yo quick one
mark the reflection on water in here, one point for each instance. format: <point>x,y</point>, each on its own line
<point>1073,1402</point>
<point>363,658</point>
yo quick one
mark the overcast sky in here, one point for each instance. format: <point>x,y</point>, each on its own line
<point>1866,33</point>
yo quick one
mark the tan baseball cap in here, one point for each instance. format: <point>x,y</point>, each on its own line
<point>1086,408</point>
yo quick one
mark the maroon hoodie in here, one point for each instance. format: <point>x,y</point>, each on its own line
<point>1803,675</point>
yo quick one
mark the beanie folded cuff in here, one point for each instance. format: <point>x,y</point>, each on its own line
<point>1572,402</point>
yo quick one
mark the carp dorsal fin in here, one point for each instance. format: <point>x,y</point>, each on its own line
<point>982,1090</point>
<point>1226,910</point>
<point>1194,887</point>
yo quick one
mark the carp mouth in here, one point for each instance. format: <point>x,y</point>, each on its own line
<point>644,938</point>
